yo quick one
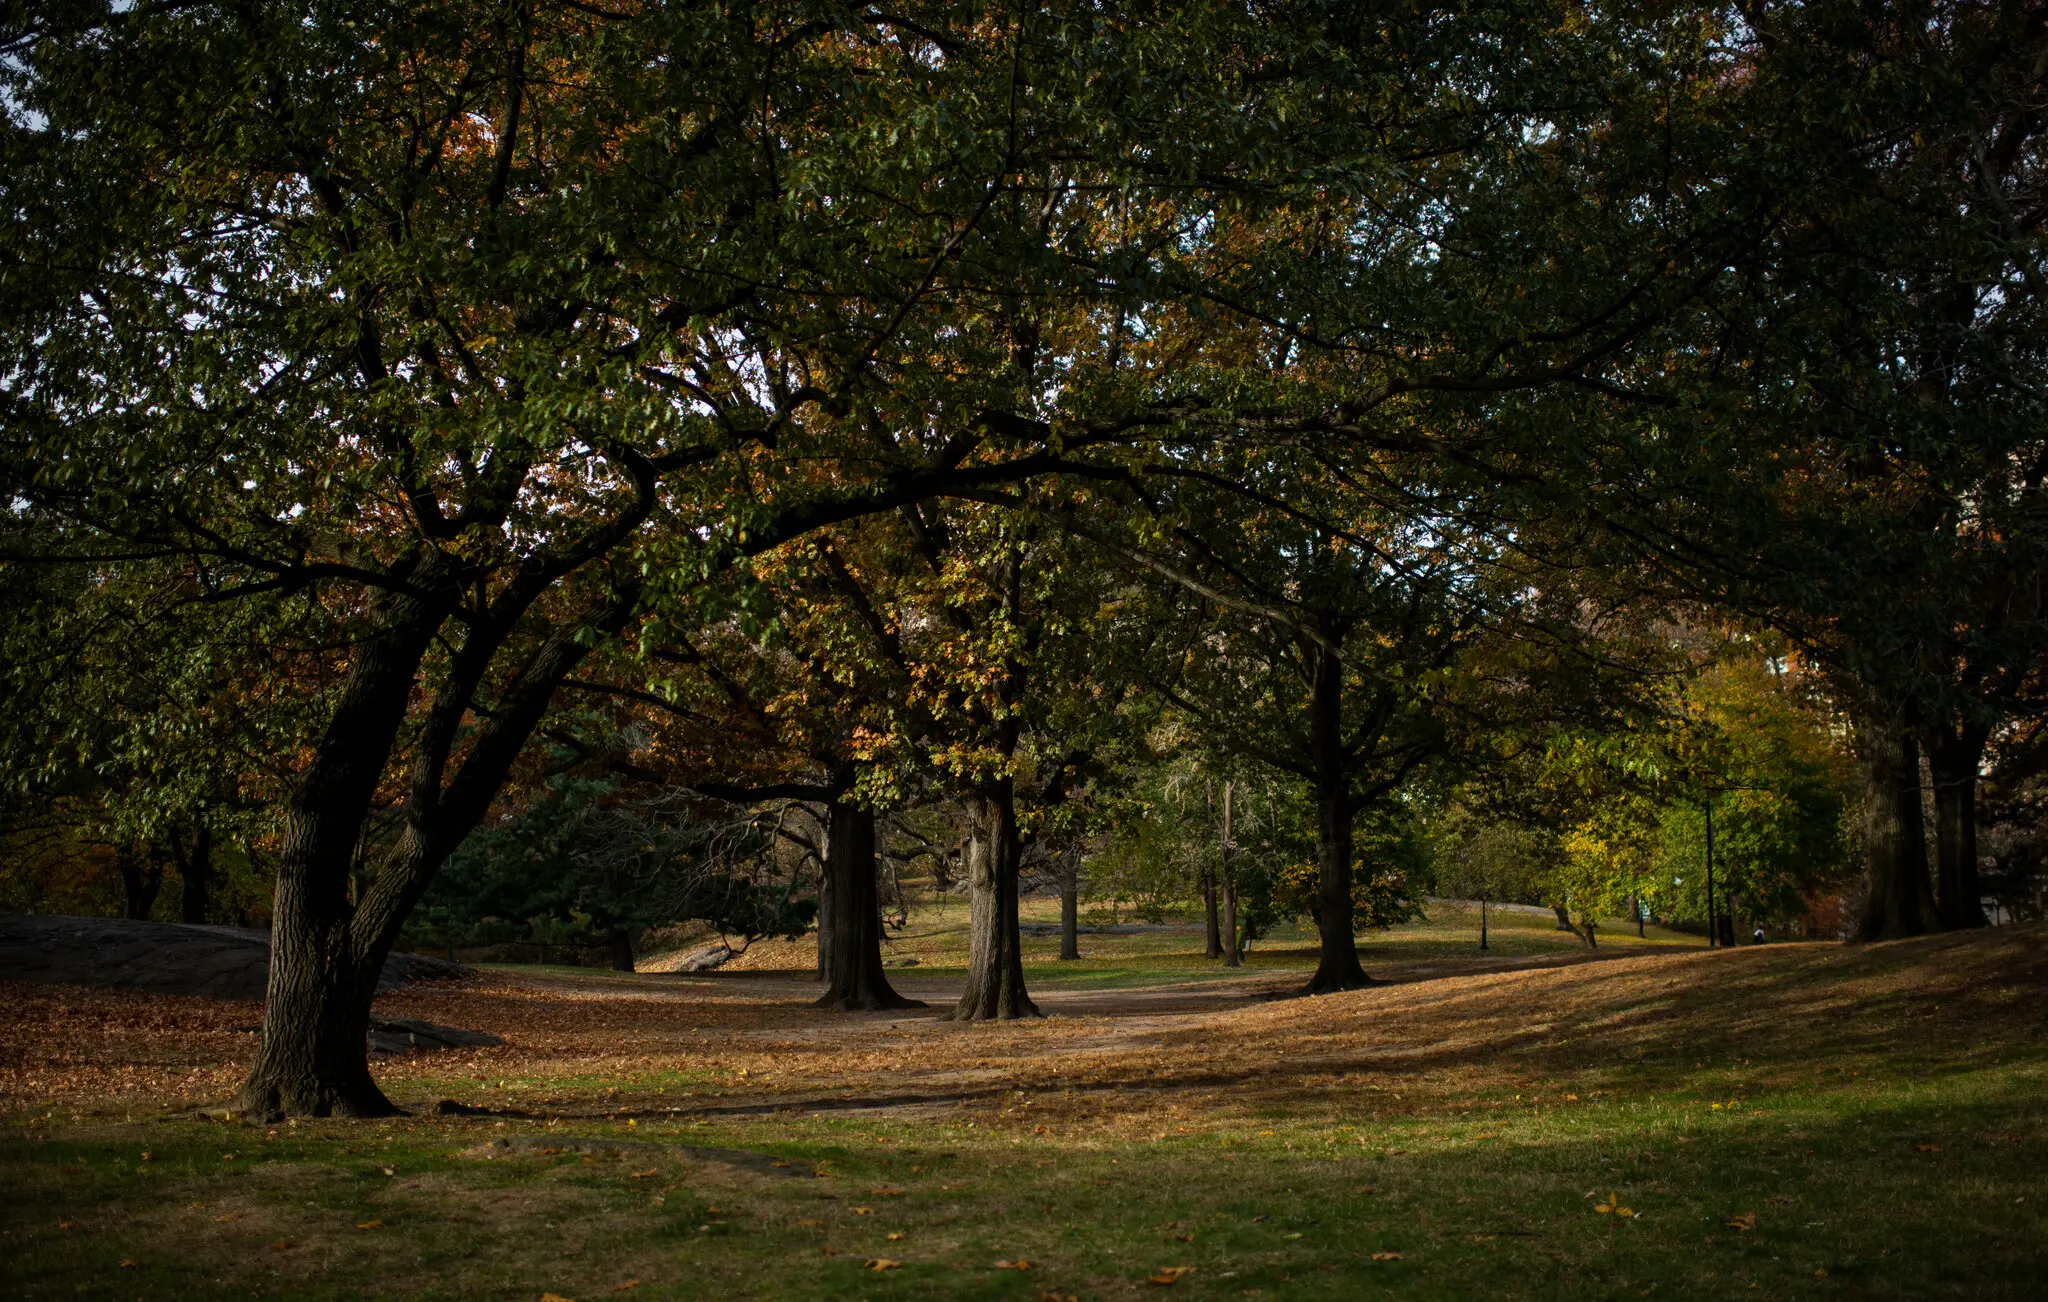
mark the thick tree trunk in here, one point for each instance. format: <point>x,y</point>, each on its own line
<point>1213,940</point>
<point>1070,910</point>
<point>195,873</point>
<point>1337,968</point>
<point>1954,763</point>
<point>855,972</point>
<point>1901,901</point>
<point>141,879</point>
<point>313,1059</point>
<point>995,962</point>
<point>620,943</point>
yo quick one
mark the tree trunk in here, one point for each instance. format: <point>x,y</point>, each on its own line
<point>1337,968</point>
<point>313,1058</point>
<point>1901,901</point>
<point>1953,764</point>
<point>828,913</point>
<point>141,878</point>
<point>195,872</point>
<point>1213,941</point>
<point>1070,910</point>
<point>620,943</point>
<point>855,972</point>
<point>1231,956</point>
<point>995,962</point>
<point>1585,935</point>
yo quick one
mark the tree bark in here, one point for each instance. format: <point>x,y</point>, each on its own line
<point>1233,953</point>
<point>195,872</point>
<point>313,1058</point>
<point>827,914</point>
<point>620,943</point>
<point>1070,909</point>
<point>1232,957</point>
<point>1213,940</point>
<point>1901,901</point>
<point>1953,762</point>
<point>855,974</point>
<point>141,878</point>
<point>1338,967</point>
<point>995,962</point>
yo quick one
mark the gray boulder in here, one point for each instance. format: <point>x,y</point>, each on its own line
<point>166,957</point>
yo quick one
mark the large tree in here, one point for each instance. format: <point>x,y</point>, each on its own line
<point>466,334</point>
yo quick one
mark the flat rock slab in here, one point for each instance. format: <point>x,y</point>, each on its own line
<point>404,1035</point>
<point>166,957</point>
<point>554,1145</point>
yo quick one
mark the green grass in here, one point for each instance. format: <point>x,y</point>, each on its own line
<point>1891,1151</point>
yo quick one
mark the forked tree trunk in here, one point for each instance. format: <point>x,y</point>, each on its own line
<point>1070,909</point>
<point>141,879</point>
<point>1901,901</point>
<point>855,974</point>
<point>313,1058</point>
<point>1337,968</point>
<point>995,960</point>
<point>1953,763</point>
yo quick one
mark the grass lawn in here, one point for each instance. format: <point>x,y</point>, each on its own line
<point>1787,1120</point>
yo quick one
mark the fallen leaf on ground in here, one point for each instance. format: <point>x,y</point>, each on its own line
<point>1365,1188</point>
<point>1613,1207</point>
<point>554,1297</point>
<point>128,1263</point>
<point>641,1175</point>
<point>881,1263</point>
<point>369,1225</point>
<point>282,1244</point>
<point>1019,1264</point>
<point>1169,1274</point>
<point>893,1235</point>
<point>620,1288</point>
<point>885,1193</point>
<point>863,1211</point>
<point>1185,1238</point>
<point>806,1224</point>
<point>1745,1222</point>
<point>1927,1148</point>
<point>1386,1256</point>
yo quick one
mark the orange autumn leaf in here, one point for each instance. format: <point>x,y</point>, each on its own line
<point>1386,1256</point>
<point>1019,1264</point>
<point>1745,1222</point>
<point>881,1263</point>
<point>1166,1275</point>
